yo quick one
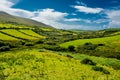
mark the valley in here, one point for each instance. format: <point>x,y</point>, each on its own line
<point>39,52</point>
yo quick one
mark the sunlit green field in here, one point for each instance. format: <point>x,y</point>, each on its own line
<point>31,33</point>
<point>6,37</point>
<point>112,41</point>
<point>35,64</point>
<point>18,34</point>
<point>12,26</point>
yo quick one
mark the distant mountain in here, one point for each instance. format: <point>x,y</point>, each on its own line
<point>7,18</point>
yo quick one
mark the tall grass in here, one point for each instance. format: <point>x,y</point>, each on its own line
<point>34,65</point>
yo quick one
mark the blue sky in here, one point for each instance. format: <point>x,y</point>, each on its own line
<point>67,14</point>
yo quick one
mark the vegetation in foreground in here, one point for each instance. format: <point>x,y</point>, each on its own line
<point>39,64</point>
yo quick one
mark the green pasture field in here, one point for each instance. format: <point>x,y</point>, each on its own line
<point>31,33</point>
<point>18,34</point>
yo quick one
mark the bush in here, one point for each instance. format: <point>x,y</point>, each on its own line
<point>29,44</point>
<point>101,44</point>
<point>54,48</point>
<point>69,56</point>
<point>4,48</point>
<point>90,47</point>
<point>71,48</point>
<point>89,43</point>
<point>40,41</point>
<point>2,44</point>
<point>101,69</point>
<point>88,61</point>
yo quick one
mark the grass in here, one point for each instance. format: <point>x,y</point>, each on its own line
<point>31,33</point>
<point>113,41</point>
<point>7,38</point>
<point>7,25</point>
<point>30,64</point>
<point>18,34</point>
<point>110,62</point>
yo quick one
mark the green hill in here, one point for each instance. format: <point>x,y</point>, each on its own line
<point>110,41</point>
<point>102,47</point>
<point>7,18</point>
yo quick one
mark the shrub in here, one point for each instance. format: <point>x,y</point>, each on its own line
<point>101,69</point>
<point>39,41</point>
<point>54,48</point>
<point>69,56</point>
<point>2,44</point>
<point>29,44</point>
<point>4,48</point>
<point>88,61</point>
<point>101,44</point>
<point>89,43</point>
<point>71,48</point>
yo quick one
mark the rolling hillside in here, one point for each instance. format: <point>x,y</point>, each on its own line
<point>7,18</point>
<point>15,35</point>
<point>113,40</point>
<point>102,47</point>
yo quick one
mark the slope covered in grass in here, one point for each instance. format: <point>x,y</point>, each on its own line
<point>18,34</point>
<point>7,38</point>
<point>31,33</point>
<point>110,41</point>
<point>34,65</point>
<point>7,18</point>
<point>110,62</point>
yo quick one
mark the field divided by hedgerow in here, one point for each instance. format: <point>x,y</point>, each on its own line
<point>35,65</point>
<point>17,34</point>
<point>31,33</point>
<point>109,41</point>
<point>7,38</point>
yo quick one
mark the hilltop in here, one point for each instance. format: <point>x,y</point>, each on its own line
<point>10,19</point>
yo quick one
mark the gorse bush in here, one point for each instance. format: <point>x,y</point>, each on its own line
<point>54,48</point>
<point>71,48</point>
<point>69,56</point>
<point>4,48</point>
<point>88,61</point>
<point>101,69</point>
<point>2,44</point>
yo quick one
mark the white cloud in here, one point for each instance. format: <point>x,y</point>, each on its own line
<point>99,21</point>
<point>50,14</point>
<point>5,3</point>
<point>81,3</point>
<point>88,9</point>
<point>78,19</point>
<point>114,17</point>
<point>73,19</point>
<point>73,14</point>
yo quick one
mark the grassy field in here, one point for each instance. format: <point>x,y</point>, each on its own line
<point>110,62</point>
<point>31,33</point>
<point>35,64</point>
<point>7,38</point>
<point>18,34</point>
<point>113,41</point>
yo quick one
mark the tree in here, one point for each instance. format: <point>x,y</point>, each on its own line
<point>71,48</point>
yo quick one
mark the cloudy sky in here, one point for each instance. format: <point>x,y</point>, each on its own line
<point>67,14</point>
